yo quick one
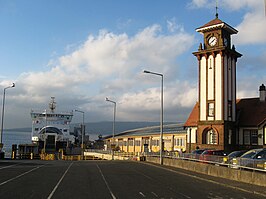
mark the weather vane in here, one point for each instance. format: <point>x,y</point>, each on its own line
<point>216,9</point>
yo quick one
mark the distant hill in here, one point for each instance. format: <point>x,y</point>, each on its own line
<point>103,128</point>
<point>106,128</point>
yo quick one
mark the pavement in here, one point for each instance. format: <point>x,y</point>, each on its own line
<point>114,179</point>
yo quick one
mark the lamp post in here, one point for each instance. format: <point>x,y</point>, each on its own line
<point>3,110</point>
<point>161,132</point>
<point>106,99</point>
<point>82,130</point>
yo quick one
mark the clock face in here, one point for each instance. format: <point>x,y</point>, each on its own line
<point>212,41</point>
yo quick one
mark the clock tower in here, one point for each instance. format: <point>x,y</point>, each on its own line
<point>217,60</point>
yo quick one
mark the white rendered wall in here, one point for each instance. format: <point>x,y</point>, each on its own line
<point>225,87</point>
<point>234,91</point>
<point>203,89</point>
<point>210,78</point>
<point>193,134</point>
<point>218,87</point>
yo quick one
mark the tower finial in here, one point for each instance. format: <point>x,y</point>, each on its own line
<point>216,15</point>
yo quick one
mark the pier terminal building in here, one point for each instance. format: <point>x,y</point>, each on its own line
<point>218,120</point>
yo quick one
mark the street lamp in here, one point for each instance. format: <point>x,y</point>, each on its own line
<point>106,99</point>
<point>82,129</point>
<point>161,133</point>
<point>3,110</point>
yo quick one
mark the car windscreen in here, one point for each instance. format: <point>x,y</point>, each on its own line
<point>249,154</point>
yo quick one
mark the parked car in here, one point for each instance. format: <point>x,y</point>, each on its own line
<point>255,158</point>
<point>215,156</point>
<point>228,159</point>
<point>198,151</point>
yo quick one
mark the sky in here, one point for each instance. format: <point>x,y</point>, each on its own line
<point>82,51</point>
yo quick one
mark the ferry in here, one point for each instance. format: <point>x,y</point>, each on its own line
<point>51,129</point>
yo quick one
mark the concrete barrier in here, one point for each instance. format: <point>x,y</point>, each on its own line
<point>251,177</point>
<point>105,156</point>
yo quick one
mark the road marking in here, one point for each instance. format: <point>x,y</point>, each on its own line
<point>56,186</point>
<point>155,194</point>
<point>142,194</point>
<point>111,193</point>
<point>207,180</point>
<point>10,166</point>
<point>20,175</point>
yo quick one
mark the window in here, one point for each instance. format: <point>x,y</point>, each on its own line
<point>137,142</point>
<point>229,109</point>
<point>210,137</point>
<point>130,142</point>
<point>211,109</point>
<point>246,137</point>
<point>125,143</point>
<point>230,136</point>
<point>250,137</point>
<point>155,142</point>
<point>254,137</point>
<point>120,142</point>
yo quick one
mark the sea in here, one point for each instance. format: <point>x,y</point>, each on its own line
<point>14,137</point>
<point>18,137</point>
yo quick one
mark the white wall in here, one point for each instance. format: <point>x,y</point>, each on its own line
<point>203,89</point>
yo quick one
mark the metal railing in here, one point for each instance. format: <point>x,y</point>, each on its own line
<point>235,163</point>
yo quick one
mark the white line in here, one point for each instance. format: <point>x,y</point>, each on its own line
<point>113,196</point>
<point>56,186</point>
<point>10,166</point>
<point>20,175</point>
<point>142,194</point>
<point>207,180</point>
<point>154,194</point>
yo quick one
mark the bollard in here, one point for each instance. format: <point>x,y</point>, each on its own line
<point>31,156</point>
<point>14,151</point>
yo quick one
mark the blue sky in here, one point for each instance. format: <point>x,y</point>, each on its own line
<point>81,51</point>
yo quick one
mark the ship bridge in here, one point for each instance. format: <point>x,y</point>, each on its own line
<point>49,129</point>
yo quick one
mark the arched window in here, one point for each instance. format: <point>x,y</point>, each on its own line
<point>210,136</point>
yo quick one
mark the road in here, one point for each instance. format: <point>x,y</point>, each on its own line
<point>112,179</point>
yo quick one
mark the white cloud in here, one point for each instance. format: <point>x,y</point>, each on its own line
<point>252,29</point>
<point>199,3</point>
<point>253,26</point>
<point>173,26</point>
<point>109,64</point>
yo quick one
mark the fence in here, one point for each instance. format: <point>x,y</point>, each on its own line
<point>235,163</point>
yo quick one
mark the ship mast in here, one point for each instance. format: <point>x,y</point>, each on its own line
<point>52,104</point>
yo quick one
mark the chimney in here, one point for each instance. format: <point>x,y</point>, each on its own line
<point>262,93</point>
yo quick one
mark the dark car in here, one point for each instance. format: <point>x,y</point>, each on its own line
<point>234,154</point>
<point>254,158</point>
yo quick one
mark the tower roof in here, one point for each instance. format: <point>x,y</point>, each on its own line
<point>216,24</point>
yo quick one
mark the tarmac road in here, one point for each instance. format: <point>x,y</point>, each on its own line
<point>113,179</point>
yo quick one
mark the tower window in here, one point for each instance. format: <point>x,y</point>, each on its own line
<point>229,108</point>
<point>211,109</point>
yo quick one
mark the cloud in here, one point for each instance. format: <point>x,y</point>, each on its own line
<point>109,65</point>
<point>199,4</point>
<point>253,26</point>
<point>252,29</point>
<point>173,26</point>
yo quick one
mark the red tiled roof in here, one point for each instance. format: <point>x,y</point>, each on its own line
<point>193,117</point>
<point>215,22</point>
<point>250,112</point>
<point>212,22</point>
